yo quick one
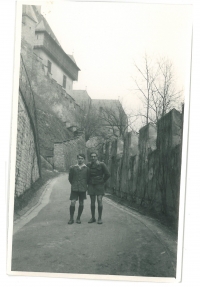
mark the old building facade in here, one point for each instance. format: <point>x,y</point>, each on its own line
<point>52,71</point>
<point>47,111</point>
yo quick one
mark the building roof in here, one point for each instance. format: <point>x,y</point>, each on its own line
<point>97,103</point>
<point>81,97</point>
<point>105,101</point>
<point>43,26</point>
<point>109,106</point>
<point>28,11</point>
<point>72,58</point>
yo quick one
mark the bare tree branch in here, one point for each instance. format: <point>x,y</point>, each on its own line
<point>157,88</point>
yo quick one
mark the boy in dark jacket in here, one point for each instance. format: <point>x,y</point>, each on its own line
<point>78,178</point>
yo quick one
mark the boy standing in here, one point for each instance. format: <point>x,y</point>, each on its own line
<point>98,175</point>
<point>78,178</point>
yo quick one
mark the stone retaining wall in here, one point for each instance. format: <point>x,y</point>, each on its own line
<point>27,166</point>
<point>65,153</point>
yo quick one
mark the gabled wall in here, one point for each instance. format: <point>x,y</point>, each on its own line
<point>56,72</point>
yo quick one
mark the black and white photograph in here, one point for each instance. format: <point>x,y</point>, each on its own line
<point>99,140</point>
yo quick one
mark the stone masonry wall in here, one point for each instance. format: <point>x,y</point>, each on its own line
<point>55,97</point>
<point>58,158</point>
<point>65,153</point>
<point>27,168</point>
<point>27,152</point>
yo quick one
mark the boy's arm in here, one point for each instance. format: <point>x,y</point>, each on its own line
<point>88,174</point>
<point>106,172</point>
<point>70,177</point>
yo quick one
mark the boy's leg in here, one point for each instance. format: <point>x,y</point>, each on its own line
<point>100,208</point>
<point>80,210</point>
<point>72,210</point>
<point>93,199</point>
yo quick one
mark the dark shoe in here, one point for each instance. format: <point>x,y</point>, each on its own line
<point>71,221</point>
<point>92,220</point>
<point>78,221</point>
<point>99,221</point>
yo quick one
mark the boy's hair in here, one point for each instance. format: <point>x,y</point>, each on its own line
<point>94,152</point>
<point>81,154</point>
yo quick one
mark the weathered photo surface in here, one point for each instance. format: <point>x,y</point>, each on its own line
<point>100,117</point>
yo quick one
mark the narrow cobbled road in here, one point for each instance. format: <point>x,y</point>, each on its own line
<point>127,243</point>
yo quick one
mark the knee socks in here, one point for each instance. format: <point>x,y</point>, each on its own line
<point>80,210</point>
<point>93,211</point>
<point>100,208</point>
<point>72,209</point>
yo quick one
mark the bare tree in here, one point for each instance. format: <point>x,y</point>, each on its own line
<point>104,121</point>
<point>165,92</point>
<point>157,88</point>
<point>88,121</point>
<point>115,119</point>
<point>146,86</point>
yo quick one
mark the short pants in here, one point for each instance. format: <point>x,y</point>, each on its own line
<point>75,195</point>
<point>96,189</point>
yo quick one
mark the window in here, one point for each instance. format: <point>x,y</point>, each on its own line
<point>49,66</point>
<point>64,81</point>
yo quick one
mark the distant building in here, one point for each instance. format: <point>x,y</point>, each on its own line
<point>111,115</point>
<point>112,118</point>
<point>82,99</point>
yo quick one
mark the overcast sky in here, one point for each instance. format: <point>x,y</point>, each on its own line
<point>106,39</point>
